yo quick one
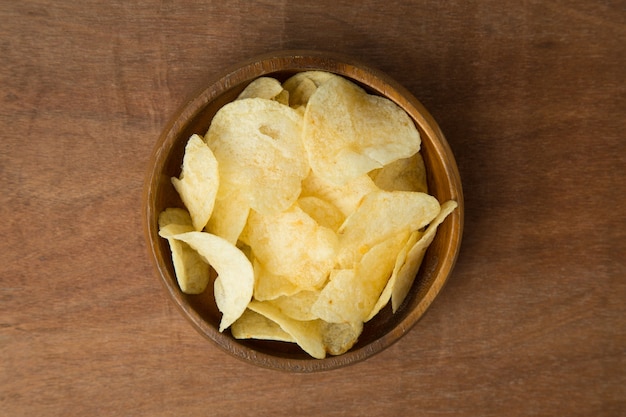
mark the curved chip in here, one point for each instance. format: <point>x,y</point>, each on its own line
<point>293,245</point>
<point>338,338</point>
<point>348,133</point>
<point>192,273</point>
<point>175,215</point>
<point>298,305</point>
<point>303,84</point>
<point>324,213</point>
<point>230,213</point>
<point>258,146</point>
<point>198,182</point>
<point>307,334</point>
<point>234,284</point>
<point>401,258</point>
<point>268,286</point>
<point>351,294</point>
<point>407,174</point>
<point>415,255</point>
<point>252,325</point>
<point>381,215</point>
<point>263,87</point>
<point>345,197</point>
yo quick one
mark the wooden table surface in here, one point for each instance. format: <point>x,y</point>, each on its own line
<point>532,98</point>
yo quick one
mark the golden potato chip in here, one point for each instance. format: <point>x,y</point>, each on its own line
<point>407,174</point>
<point>348,133</point>
<point>230,212</point>
<point>338,338</point>
<point>175,215</point>
<point>299,96</point>
<point>345,197</point>
<point>406,275</point>
<point>293,245</point>
<point>234,284</point>
<point>192,273</point>
<point>268,286</point>
<point>282,98</point>
<point>385,296</point>
<point>258,146</point>
<point>317,77</point>
<point>298,305</point>
<point>341,284</point>
<point>252,325</point>
<point>351,294</point>
<point>307,334</point>
<point>262,87</point>
<point>303,84</point>
<point>323,212</point>
<point>198,182</point>
<point>381,215</point>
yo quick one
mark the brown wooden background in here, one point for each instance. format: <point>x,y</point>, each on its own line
<point>532,98</point>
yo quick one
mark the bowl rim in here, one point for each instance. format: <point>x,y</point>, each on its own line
<point>297,61</point>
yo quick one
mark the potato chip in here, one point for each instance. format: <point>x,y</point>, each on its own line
<point>338,338</point>
<point>317,77</point>
<point>198,182</point>
<point>298,305</point>
<point>341,284</point>
<point>252,325</point>
<point>262,87</point>
<point>323,212</point>
<point>230,213</point>
<point>406,275</point>
<point>268,286</point>
<point>258,146</point>
<point>293,245</point>
<point>346,197</point>
<point>407,174</point>
<point>177,216</point>
<point>303,84</point>
<point>234,284</point>
<point>381,215</point>
<point>385,296</point>
<point>348,133</point>
<point>307,334</point>
<point>192,273</point>
<point>351,294</point>
<point>283,98</point>
<point>299,96</point>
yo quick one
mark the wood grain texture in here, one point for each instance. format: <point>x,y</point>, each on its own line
<point>531,98</point>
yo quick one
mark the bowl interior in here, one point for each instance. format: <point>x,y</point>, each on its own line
<point>195,117</point>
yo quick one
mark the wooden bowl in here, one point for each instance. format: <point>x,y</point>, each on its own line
<point>195,116</point>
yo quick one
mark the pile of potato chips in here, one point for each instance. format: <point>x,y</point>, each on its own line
<point>309,200</point>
